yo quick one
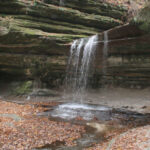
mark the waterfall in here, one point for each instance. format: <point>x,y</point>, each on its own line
<point>79,65</point>
<point>61,3</point>
<point>105,55</point>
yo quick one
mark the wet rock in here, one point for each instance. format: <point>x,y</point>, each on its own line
<point>144,107</point>
<point>53,145</point>
<point>100,128</point>
<point>13,116</point>
<point>44,92</point>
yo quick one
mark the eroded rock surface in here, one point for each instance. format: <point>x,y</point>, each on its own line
<point>35,38</point>
<point>34,35</point>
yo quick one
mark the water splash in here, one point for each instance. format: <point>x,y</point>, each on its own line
<point>72,110</point>
<point>79,65</point>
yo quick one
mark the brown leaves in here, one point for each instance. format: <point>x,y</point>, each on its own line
<point>32,131</point>
<point>133,139</point>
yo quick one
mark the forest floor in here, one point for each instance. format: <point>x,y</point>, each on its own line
<point>22,129</point>
<point>133,139</point>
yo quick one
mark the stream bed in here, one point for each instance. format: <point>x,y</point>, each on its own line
<point>93,117</point>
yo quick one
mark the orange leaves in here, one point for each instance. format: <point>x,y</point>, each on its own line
<point>133,139</point>
<point>32,131</point>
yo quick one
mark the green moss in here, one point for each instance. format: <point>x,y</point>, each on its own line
<point>36,36</point>
<point>13,7</point>
<point>73,16</point>
<point>94,7</point>
<point>55,13</point>
<point>143,19</point>
<point>23,88</point>
<point>27,32</point>
<point>145,26</point>
<point>51,27</point>
<point>53,22</point>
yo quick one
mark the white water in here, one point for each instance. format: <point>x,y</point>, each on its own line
<point>79,69</point>
<point>83,106</point>
<point>73,110</point>
<point>61,2</point>
<point>79,66</point>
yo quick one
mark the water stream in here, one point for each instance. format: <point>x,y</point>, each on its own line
<point>105,55</point>
<point>79,68</point>
<point>105,52</point>
<point>92,117</point>
<point>61,2</point>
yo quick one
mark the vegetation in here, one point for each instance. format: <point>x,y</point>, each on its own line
<point>143,18</point>
<point>24,88</point>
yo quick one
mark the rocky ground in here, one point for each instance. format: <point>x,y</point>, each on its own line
<point>22,129</point>
<point>135,139</point>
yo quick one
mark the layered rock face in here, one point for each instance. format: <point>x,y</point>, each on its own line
<point>127,62</point>
<point>35,35</point>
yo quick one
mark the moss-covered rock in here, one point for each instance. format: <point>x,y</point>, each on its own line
<point>143,19</point>
<point>23,88</point>
<point>35,36</point>
<point>93,7</point>
<point>53,12</point>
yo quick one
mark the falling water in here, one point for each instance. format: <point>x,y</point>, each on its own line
<point>61,2</point>
<point>105,55</point>
<point>79,66</point>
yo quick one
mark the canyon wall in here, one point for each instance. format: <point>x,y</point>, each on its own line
<point>35,35</point>
<point>35,38</point>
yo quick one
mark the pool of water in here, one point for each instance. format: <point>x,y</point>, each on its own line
<point>71,111</point>
<point>95,114</point>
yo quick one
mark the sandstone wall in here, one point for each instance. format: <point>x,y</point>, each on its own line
<point>35,35</point>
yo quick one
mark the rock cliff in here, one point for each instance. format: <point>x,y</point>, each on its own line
<point>35,35</point>
<point>35,38</point>
<point>128,63</point>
